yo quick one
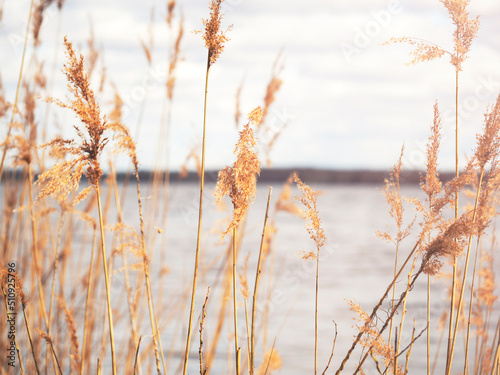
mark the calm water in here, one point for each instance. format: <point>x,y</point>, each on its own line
<point>355,265</point>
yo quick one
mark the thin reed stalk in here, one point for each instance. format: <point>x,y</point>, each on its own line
<point>203,369</point>
<point>454,278</point>
<point>106,281</point>
<point>316,315</point>
<point>200,213</point>
<point>256,285</point>
<point>214,42</point>
<point>427,325</point>
<point>235,309</point>
<point>247,326</point>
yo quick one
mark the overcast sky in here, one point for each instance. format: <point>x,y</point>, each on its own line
<point>349,102</point>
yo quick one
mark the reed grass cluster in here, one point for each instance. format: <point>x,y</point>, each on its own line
<point>64,219</point>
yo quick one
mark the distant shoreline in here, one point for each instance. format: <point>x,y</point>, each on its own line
<point>280,175</point>
<point>329,176</point>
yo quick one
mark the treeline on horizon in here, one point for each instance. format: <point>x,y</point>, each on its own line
<point>313,175</point>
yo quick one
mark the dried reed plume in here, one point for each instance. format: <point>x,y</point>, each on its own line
<point>65,176</point>
<point>213,36</point>
<point>239,181</point>
<point>466,29</point>
<point>308,199</point>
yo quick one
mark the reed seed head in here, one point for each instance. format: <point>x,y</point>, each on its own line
<point>313,226</point>
<point>213,36</point>
<point>64,177</point>
<point>239,181</point>
<point>465,32</point>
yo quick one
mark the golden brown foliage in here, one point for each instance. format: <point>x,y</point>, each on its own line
<point>239,181</point>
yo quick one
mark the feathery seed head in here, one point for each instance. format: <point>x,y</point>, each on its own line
<point>313,226</point>
<point>239,181</point>
<point>465,32</point>
<point>64,177</point>
<point>488,142</point>
<point>432,184</point>
<point>214,38</point>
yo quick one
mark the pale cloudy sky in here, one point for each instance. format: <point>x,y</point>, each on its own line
<point>349,102</point>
